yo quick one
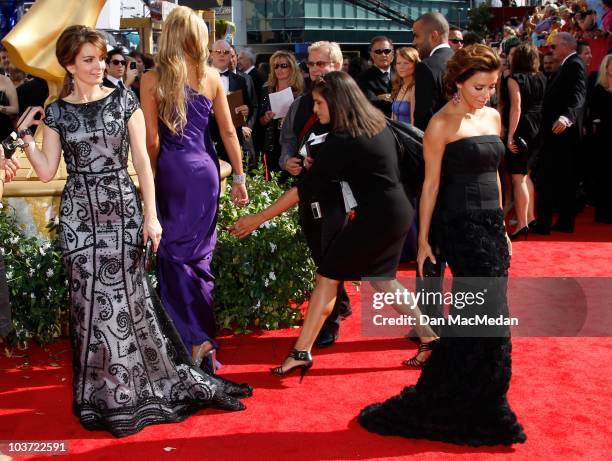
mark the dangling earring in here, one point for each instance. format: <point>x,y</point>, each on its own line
<point>72,83</point>
<point>456,98</point>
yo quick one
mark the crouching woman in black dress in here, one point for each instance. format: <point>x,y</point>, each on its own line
<point>359,150</point>
<point>460,396</point>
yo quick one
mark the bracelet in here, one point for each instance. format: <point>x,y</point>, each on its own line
<point>239,179</point>
<point>24,132</point>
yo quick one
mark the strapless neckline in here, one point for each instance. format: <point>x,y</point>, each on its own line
<point>480,136</point>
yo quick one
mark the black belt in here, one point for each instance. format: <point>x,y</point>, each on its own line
<point>115,170</point>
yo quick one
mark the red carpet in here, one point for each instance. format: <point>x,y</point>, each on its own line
<point>560,390</point>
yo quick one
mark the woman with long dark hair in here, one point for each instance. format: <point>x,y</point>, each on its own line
<point>360,151</point>
<point>130,368</point>
<point>460,396</point>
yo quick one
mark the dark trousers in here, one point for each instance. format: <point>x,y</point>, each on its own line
<point>557,180</point>
<point>317,239</point>
<point>6,325</point>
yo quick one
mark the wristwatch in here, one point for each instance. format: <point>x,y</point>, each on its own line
<point>24,132</point>
<point>239,179</point>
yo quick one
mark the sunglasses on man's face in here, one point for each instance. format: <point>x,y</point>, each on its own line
<point>385,51</point>
<point>225,52</point>
<point>118,62</point>
<point>320,64</point>
<point>283,65</point>
<point>456,41</point>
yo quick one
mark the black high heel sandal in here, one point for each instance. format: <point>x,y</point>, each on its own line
<point>302,356</point>
<point>520,233</point>
<point>414,362</point>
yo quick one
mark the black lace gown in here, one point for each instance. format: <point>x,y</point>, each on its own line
<point>460,396</point>
<point>130,367</point>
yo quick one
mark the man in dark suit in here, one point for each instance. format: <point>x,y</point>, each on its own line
<point>376,81</point>
<point>117,74</point>
<point>430,37</point>
<point>251,159</point>
<point>246,63</point>
<point>561,131</point>
<point>221,60</point>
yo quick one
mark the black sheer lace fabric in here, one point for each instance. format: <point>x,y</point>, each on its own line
<point>130,366</point>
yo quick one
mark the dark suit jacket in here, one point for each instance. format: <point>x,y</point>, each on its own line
<point>429,86</point>
<point>565,96</point>
<point>372,83</point>
<point>107,83</point>
<point>257,82</point>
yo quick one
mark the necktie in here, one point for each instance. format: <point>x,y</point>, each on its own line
<point>120,85</point>
<point>225,74</point>
<point>386,77</point>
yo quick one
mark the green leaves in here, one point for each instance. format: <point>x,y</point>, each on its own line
<point>36,280</point>
<point>262,279</point>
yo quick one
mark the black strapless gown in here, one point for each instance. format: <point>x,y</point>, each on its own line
<point>460,396</point>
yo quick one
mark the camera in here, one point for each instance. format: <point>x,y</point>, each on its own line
<point>10,144</point>
<point>132,64</point>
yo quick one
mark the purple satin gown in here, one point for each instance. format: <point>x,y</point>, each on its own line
<point>187,191</point>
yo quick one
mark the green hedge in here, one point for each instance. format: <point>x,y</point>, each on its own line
<point>260,280</point>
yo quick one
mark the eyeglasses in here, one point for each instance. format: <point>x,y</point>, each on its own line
<point>118,62</point>
<point>319,64</point>
<point>385,51</point>
<point>225,52</point>
<point>283,65</point>
<point>456,41</point>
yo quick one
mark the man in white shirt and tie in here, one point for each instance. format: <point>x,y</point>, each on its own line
<point>117,76</point>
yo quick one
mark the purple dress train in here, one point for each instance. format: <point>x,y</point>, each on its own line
<point>187,190</point>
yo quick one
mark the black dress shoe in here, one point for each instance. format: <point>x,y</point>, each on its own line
<point>328,335</point>
<point>563,227</point>
<point>539,229</point>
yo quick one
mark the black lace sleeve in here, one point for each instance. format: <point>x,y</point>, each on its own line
<point>51,117</point>
<point>131,103</point>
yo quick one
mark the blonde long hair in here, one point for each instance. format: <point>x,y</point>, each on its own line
<point>296,81</point>
<point>412,55</point>
<point>184,35</point>
<point>602,76</point>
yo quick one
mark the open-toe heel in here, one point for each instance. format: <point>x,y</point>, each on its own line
<point>415,362</point>
<point>302,356</point>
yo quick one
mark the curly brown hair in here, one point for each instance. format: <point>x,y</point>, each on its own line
<point>468,61</point>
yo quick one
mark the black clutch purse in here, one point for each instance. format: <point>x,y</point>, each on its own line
<point>148,256</point>
<point>522,145</point>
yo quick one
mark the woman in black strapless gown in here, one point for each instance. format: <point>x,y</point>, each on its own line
<point>460,396</point>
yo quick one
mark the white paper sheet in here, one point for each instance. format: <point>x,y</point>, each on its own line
<point>280,102</point>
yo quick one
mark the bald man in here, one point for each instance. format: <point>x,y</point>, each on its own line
<point>430,37</point>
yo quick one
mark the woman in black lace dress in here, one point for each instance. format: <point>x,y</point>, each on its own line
<point>130,367</point>
<point>460,396</point>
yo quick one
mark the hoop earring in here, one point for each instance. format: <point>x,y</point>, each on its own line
<point>456,98</point>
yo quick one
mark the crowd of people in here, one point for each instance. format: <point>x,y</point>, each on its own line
<point>491,122</point>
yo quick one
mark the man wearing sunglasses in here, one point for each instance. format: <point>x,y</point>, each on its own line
<point>376,81</point>
<point>455,38</point>
<point>232,82</point>
<point>117,74</point>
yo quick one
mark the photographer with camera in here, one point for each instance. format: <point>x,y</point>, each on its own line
<point>118,75</point>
